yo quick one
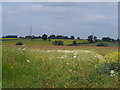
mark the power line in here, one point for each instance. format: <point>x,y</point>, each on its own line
<point>30,30</point>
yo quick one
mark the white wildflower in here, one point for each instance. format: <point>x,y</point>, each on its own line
<point>70,70</point>
<point>28,61</point>
<point>87,51</point>
<point>112,72</point>
<point>19,48</point>
<point>100,56</point>
<point>74,56</point>
<point>24,49</point>
<point>62,57</point>
<point>67,63</point>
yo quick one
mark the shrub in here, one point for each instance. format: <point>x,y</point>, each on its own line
<point>58,43</point>
<point>110,64</point>
<point>19,43</point>
<point>109,68</point>
<point>74,43</point>
<point>102,45</point>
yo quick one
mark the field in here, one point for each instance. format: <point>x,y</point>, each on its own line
<point>13,41</point>
<point>39,64</point>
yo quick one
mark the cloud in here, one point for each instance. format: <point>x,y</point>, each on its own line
<point>60,18</point>
<point>60,24</point>
<point>92,20</point>
<point>95,18</point>
<point>39,8</point>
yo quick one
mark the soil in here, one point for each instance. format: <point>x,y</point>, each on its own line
<point>56,47</point>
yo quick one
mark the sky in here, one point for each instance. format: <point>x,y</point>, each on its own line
<point>79,19</point>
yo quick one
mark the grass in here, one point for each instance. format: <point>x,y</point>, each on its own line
<point>72,68</point>
<point>13,41</point>
<point>35,66</point>
<point>0,67</point>
<point>37,41</point>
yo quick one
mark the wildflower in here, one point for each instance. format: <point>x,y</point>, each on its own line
<point>100,56</point>
<point>62,57</point>
<point>112,72</point>
<point>24,49</point>
<point>28,61</point>
<point>113,60</point>
<point>87,51</point>
<point>70,70</point>
<point>74,56</point>
<point>19,48</point>
<point>67,63</point>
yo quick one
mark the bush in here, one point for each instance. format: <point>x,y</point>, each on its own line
<point>106,68</point>
<point>19,43</point>
<point>110,64</point>
<point>102,45</point>
<point>74,43</point>
<point>58,43</point>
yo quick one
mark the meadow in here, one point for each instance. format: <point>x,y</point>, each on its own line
<point>25,67</point>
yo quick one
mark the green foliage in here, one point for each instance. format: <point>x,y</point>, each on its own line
<point>44,37</point>
<point>19,43</point>
<point>74,43</point>
<point>109,65</point>
<point>106,39</point>
<point>58,42</point>
<point>102,45</point>
<point>90,38</point>
<point>106,68</point>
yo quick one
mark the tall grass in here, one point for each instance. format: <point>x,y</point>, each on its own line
<point>0,67</point>
<point>24,68</point>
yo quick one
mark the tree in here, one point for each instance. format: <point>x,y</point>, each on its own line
<point>28,37</point>
<point>118,40</point>
<point>78,38</point>
<point>90,38</point>
<point>59,37</point>
<point>72,37</point>
<point>58,42</point>
<point>10,36</point>
<point>49,40</point>
<point>74,43</point>
<point>44,37</point>
<point>39,37</point>
<point>52,37</point>
<point>106,39</point>
<point>95,38</point>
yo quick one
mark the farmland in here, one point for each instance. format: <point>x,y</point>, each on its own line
<point>13,41</point>
<point>40,64</point>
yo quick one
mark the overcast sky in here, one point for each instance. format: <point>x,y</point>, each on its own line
<point>71,18</point>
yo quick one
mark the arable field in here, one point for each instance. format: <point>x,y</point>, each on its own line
<point>13,41</point>
<point>44,66</point>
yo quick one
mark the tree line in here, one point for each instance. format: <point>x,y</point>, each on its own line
<point>90,38</point>
<point>44,37</point>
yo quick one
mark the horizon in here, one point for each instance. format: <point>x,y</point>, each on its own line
<point>56,35</point>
